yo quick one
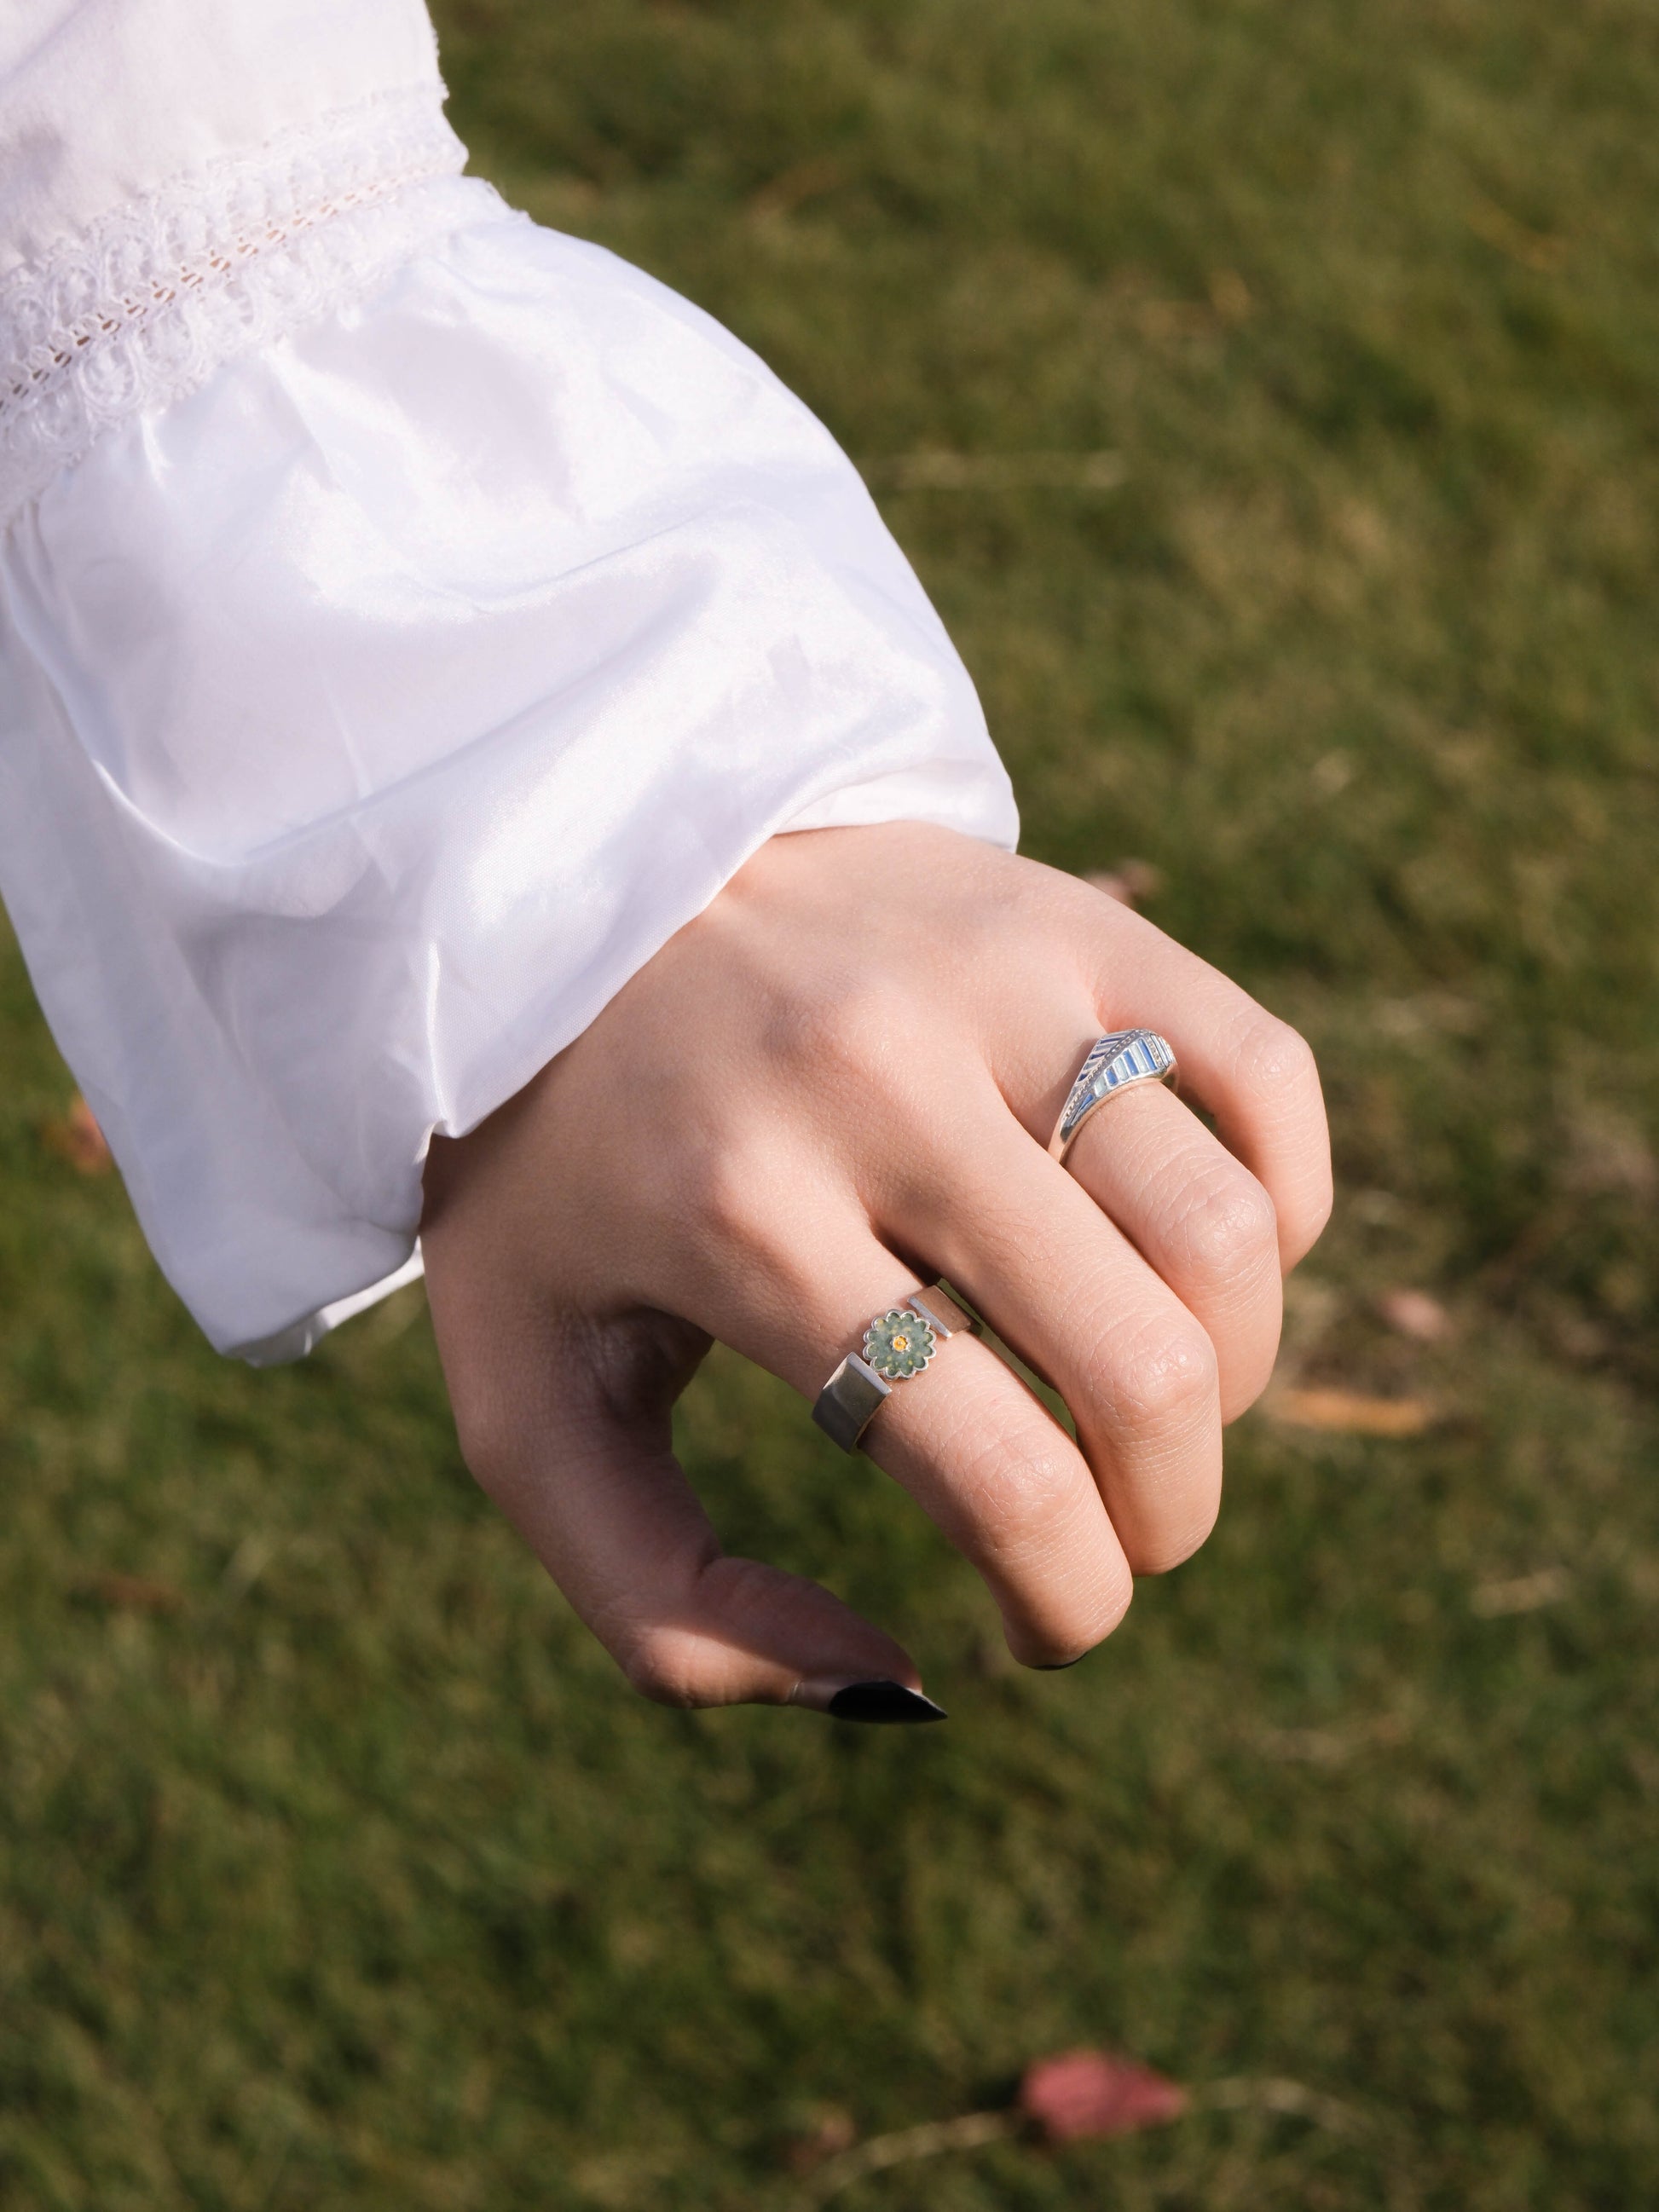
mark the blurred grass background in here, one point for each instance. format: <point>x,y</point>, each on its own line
<point>337,1869</point>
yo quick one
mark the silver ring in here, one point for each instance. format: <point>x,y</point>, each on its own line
<point>1114,1063</point>
<point>897,1345</point>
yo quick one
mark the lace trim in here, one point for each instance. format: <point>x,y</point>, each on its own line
<point>141,308</point>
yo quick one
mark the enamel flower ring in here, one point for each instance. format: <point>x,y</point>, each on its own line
<point>897,1345</point>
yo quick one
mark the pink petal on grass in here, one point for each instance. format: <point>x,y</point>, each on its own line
<point>1081,2094</point>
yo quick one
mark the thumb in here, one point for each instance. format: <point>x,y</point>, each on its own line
<point>594,1487</point>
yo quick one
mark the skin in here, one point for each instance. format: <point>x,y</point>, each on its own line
<point>835,1085</point>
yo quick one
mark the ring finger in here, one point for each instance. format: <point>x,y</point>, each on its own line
<point>1199,1218</point>
<point>1067,1290</point>
<point>973,1446</point>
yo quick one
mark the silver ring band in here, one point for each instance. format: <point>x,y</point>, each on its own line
<point>897,1345</point>
<point>1113,1063</point>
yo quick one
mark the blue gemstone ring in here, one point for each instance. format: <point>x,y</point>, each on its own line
<point>1113,1064</point>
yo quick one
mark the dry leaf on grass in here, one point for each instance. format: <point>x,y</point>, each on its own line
<point>1129,881</point>
<point>1497,228</point>
<point>132,1594</point>
<point>1331,1746</point>
<point>1351,1412</point>
<point>1415,1314</point>
<point>1027,471</point>
<point>1520,1593</point>
<point>794,187</point>
<point>74,1136</point>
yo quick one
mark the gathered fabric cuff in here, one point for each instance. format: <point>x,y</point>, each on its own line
<point>139,309</point>
<point>410,617</point>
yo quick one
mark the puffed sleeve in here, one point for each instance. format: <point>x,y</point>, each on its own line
<point>409,618</point>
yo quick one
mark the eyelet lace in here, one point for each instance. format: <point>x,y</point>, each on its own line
<point>143,307</point>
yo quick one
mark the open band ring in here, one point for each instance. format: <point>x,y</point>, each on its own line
<point>1114,1063</point>
<point>897,1345</point>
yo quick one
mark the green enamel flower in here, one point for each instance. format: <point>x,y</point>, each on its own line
<point>899,1344</point>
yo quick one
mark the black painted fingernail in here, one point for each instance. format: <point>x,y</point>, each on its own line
<point>884,1701</point>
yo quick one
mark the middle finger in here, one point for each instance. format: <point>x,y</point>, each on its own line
<point>1064,1286</point>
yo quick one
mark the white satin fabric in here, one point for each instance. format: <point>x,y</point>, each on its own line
<point>101,100</point>
<point>369,714</point>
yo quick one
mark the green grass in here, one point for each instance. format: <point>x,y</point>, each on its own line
<point>356,1879</point>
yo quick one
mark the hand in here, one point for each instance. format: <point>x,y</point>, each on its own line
<point>834,1086</point>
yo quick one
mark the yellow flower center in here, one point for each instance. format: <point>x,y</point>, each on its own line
<point>901,1344</point>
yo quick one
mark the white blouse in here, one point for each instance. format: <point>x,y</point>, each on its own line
<point>409,618</point>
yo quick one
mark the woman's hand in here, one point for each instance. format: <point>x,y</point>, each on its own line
<point>835,1085</point>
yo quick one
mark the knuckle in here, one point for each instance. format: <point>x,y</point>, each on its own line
<point>845,1028</point>
<point>1230,1226</point>
<point>1021,1500</point>
<point>723,1196</point>
<point>1038,1533</point>
<point>1023,1503</point>
<point>1166,1376</point>
<point>1272,1060</point>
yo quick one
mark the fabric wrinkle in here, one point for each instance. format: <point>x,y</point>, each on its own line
<point>408,634</point>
